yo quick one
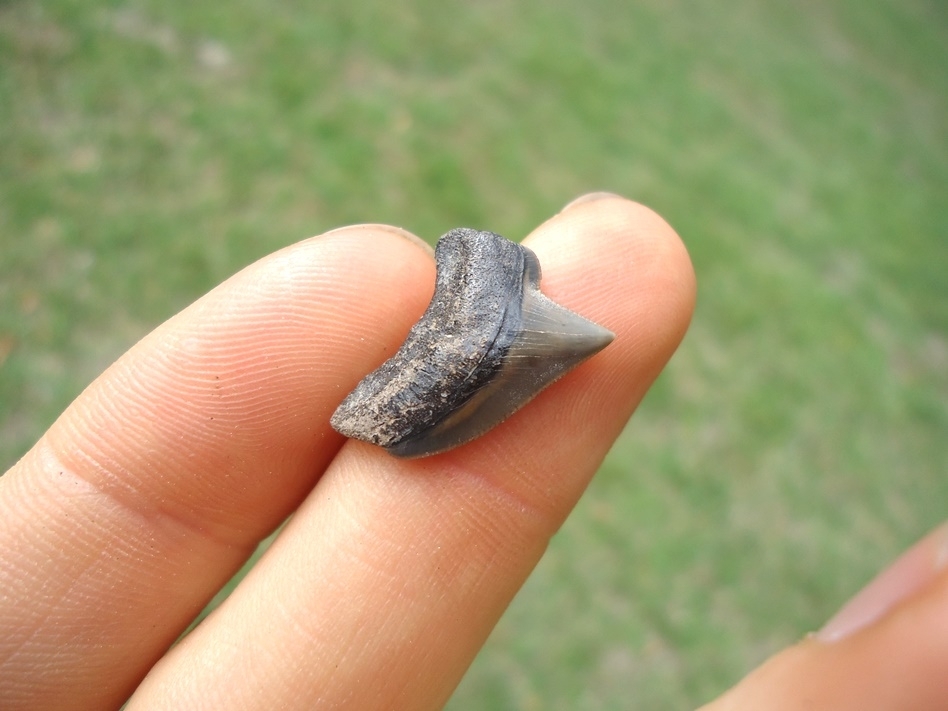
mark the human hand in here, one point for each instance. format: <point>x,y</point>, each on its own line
<point>157,483</point>
<point>885,650</point>
<point>154,486</point>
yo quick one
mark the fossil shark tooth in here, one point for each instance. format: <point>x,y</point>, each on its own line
<point>487,344</point>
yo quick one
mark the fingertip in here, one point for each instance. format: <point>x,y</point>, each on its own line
<point>888,652</point>
<point>910,573</point>
<point>622,264</point>
<point>589,198</point>
<point>620,230</point>
<point>368,229</point>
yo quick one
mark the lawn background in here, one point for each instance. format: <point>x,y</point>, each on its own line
<point>797,441</point>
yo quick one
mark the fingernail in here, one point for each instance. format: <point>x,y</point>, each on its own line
<point>911,572</point>
<point>376,227</point>
<point>591,197</point>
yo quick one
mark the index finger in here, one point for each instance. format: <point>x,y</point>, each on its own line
<point>153,487</point>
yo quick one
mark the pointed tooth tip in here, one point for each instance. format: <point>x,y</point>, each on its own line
<point>591,334</point>
<point>606,338</point>
<point>588,337</point>
<point>596,338</point>
<point>596,332</point>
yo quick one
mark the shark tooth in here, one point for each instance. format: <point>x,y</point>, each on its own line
<point>488,342</point>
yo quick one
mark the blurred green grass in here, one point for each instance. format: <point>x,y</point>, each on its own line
<point>797,441</point>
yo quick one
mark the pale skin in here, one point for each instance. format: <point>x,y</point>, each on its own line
<point>159,480</point>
